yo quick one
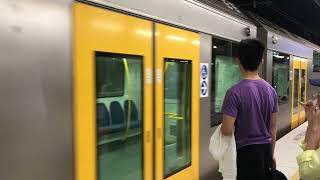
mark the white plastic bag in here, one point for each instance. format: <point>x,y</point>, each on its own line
<point>223,149</point>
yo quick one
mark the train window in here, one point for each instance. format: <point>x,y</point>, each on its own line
<point>303,85</point>
<point>110,80</point>
<point>177,119</point>
<point>119,116</point>
<point>316,61</point>
<point>280,76</point>
<point>225,74</point>
<point>296,91</point>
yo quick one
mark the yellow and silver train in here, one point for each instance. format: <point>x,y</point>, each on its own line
<point>131,90</point>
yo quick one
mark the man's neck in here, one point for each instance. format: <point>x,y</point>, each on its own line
<point>251,75</point>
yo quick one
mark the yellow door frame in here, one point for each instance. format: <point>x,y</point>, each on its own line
<point>98,29</point>
<point>177,44</point>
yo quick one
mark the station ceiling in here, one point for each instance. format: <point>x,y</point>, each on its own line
<point>301,17</point>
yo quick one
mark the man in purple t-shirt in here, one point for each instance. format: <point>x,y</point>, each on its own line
<point>250,108</point>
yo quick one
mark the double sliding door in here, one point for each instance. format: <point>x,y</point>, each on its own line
<point>299,90</point>
<point>136,103</point>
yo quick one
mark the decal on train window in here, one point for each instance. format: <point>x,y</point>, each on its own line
<point>316,61</point>
<point>281,76</point>
<point>225,74</point>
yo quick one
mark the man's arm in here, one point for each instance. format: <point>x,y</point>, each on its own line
<point>274,131</point>
<point>312,136</point>
<point>227,125</point>
<point>230,111</point>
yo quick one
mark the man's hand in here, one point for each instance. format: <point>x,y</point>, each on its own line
<point>312,137</point>
<point>313,114</point>
<point>274,162</point>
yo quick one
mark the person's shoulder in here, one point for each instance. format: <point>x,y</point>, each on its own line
<point>235,87</point>
<point>268,87</point>
<point>266,84</point>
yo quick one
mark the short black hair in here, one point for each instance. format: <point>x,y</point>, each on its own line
<point>250,54</point>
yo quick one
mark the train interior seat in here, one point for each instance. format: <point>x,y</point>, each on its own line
<point>134,121</point>
<point>103,115</point>
<point>116,119</point>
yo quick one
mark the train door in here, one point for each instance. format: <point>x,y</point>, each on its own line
<point>177,103</point>
<point>113,95</point>
<point>299,89</point>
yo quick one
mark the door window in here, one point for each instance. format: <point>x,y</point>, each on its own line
<point>119,116</point>
<point>177,119</point>
<point>296,91</point>
<point>303,85</point>
<point>316,61</point>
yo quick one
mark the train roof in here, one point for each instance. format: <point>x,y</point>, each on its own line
<point>229,8</point>
<point>269,26</point>
<point>226,7</point>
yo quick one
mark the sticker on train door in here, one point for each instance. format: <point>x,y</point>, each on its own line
<point>204,79</point>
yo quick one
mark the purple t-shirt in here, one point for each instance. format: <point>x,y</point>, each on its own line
<point>252,103</point>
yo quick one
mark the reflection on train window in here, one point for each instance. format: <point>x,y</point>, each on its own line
<point>303,85</point>
<point>280,75</point>
<point>177,119</point>
<point>110,79</point>
<point>225,74</point>
<point>316,61</point>
<point>296,91</point>
<point>119,116</point>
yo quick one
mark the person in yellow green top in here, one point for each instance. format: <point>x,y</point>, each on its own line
<point>309,159</point>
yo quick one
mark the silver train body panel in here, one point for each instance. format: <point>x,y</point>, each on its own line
<point>36,90</point>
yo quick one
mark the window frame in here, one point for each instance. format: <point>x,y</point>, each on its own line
<point>190,114</point>
<point>216,117</point>
<point>287,62</point>
<point>316,68</point>
<point>142,126</point>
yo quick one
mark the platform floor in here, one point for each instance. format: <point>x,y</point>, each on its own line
<point>287,149</point>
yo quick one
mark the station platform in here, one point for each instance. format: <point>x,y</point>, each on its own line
<point>287,149</point>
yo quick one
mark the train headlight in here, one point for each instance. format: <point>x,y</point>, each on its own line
<point>274,39</point>
<point>247,31</point>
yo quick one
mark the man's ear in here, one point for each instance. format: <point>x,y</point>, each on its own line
<point>261,63</point>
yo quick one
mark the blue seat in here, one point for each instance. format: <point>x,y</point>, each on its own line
<point>103,116</point>
<point>134,114</point>
<point>117,117</point>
